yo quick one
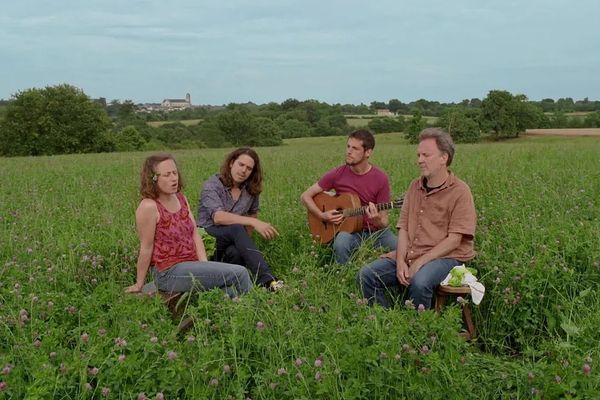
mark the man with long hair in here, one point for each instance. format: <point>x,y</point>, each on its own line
<point>372,186</point>
<point>228,210</point>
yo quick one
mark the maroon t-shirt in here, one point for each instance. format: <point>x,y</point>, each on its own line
<point>374,186</point>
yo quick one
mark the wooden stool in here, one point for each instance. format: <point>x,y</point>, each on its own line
<point>170,300</point>
<point>464,291</point>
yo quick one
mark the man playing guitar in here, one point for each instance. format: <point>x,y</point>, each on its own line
<point>367,181</point>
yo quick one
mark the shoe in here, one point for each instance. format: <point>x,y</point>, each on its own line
<point>274,286</point>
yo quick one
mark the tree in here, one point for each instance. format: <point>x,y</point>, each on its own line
<point>55,120</point>
<point>414,128</point>
<point>237,126</point>
<point>266,133</point>
<point>461,124</point>
<point>506,115</point>
<point>129,139</point>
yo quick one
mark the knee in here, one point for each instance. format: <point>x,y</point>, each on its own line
<point>365,275</point>
<point>341,241</point>
<point>237,229</point>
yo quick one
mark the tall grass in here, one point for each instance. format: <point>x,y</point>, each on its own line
<point>68,248</point>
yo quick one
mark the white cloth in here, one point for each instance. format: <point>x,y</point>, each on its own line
<point>477,288</point>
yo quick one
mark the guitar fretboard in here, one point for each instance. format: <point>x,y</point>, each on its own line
<point>354,212</point>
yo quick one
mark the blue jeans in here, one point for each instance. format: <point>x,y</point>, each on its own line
<point>235,245</point>
<point>379,276</point>
<point>194,276</point>
<point>345,243</point>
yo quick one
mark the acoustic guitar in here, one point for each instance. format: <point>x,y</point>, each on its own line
<point>349,205</point>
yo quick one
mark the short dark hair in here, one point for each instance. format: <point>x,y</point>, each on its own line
<point>148,188</point>
<point>365,136</point>
<point>443,140</point>
<point>254,181</point>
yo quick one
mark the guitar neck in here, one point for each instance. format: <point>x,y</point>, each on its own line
<point>354,212</point>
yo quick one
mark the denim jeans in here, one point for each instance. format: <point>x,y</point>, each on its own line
<point>194,276</point>
<point>235,245</point>
<point>378,277</point>
<point>345,243</point>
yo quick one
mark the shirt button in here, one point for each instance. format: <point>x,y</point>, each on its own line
<point>421,211</point>
<point>411,252</point>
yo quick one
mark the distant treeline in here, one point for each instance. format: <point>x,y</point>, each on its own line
<point>62,119</point>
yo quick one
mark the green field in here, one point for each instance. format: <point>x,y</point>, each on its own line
<point>68,248</point>
<point>362,121</point>
<point>186,122</point>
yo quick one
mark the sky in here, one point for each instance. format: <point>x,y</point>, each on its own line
<point>333,51</point>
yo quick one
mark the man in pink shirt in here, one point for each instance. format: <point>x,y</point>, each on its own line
<point>371,185</point>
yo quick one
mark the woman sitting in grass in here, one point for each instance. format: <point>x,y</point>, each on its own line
<point>169,240</point>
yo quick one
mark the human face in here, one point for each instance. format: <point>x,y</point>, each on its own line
<point>432,161</point>
<point>168,177</point>
<point>241,168</point>
<point>355,152</point>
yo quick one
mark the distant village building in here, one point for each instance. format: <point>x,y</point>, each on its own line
<point>167,105</point>
<point>384,112</point>
<point>177,104</point>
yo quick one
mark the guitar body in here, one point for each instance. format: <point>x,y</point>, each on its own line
<point>324,232</point>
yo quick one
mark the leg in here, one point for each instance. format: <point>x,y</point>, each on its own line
<point>377,277</point>
<point>237,236</point>
<point>344,245</point>
<point>386,239</point>
<point>203,275</point>
<point>428,278</point>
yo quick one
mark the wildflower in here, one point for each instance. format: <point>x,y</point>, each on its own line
<point>425,370</point>
<point>424,349</point>
<point>409,304</point>
<point>62,368</point>
<point>296,270</point>
<point>153,339</point>
<point>142,396</point>
<point>260,326</point>
<point>144,326</point>
<point>191,338</point>
<point>119,342</point>
<point>226,369</point>
<point>318,376</point>
<point>421,308</point>
<point>236,300</point>
<point>102,332</point>
<point>160,396</point>
<point>299,375</point>
<point>37,343</point>
<point>52,354</point>
<point>383,355</point>
<point>105,391</point>
<point>281,371</point>
<point>50,304</point>
<point>122,358</point>
<point>371,317</point>
<point>88,386</point>
<point>213,382</point>
<point>84,337</point>
<point>557,379</point>
<point>530,376</point>
<point>405,348</point>
<point>273,385</point>
<point>93,371</point>
<point>586,369</point>
<point>298,361</point>
<point>7,368</point>
<point>3,386</point>
<point>318,362</point>
<point>171,355</point>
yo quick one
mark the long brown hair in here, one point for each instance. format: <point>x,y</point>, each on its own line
<point>254,181</point>
<point>148,176</point>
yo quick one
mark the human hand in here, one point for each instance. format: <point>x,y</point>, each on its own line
<point>402,273</point>
<point>389,254</point>
<point>333,216</point>
<point>135,288</point>
<point>265,229</point>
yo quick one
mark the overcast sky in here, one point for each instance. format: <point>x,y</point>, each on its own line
<point>270,50</point>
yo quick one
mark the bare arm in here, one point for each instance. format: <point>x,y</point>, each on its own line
<point>309,203</point>
<point>200,250</point>
<point>146,217</point>
<point>265,229</point>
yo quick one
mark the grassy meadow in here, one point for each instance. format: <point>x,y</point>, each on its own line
<point>68,248</point>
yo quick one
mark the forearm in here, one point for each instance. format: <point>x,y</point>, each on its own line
<point>402,247</point>
<point>143,263</point>
<point>311,206</point>
<point>443,248</point>
<point>227,218</point>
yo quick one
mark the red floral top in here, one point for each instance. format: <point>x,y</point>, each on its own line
<point>174,236</point>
